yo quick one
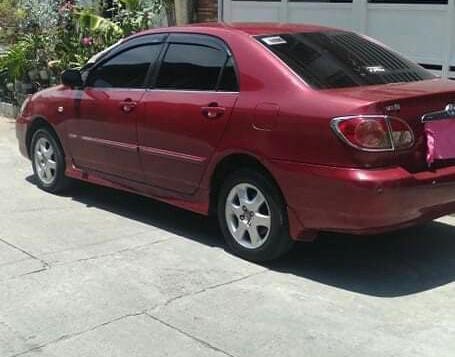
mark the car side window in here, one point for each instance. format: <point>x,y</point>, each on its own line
<point>191,67</point>
<point>125,70</point>
<point>228,82</point>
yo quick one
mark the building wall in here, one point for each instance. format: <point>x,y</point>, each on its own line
<point>207,10</point>
<point>421,30</point>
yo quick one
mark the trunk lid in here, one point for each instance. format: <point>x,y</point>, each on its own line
<point>408,101</point>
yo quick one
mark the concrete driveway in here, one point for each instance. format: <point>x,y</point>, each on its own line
<point>104,273</point>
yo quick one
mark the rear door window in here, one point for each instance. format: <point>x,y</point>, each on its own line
<point>192,67</point>
<point>337,59</point>
<point>228,80</point>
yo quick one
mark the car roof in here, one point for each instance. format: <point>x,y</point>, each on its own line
<point>249,28</point>
<point>257,28</point>
<point>219,28</point>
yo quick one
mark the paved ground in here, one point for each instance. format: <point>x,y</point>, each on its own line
<point>104,273</point>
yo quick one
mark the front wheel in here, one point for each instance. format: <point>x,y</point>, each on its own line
<point>253,217</point>
<point>48,162</point>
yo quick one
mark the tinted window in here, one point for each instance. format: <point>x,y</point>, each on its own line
<point>191,67</point>
<point>337,59</point>
<point>228,80</point>
<point>126,70</point>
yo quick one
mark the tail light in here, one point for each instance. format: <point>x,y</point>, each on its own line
<point>374,133</point>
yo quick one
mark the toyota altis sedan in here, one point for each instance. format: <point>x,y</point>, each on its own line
<point>281,131</point>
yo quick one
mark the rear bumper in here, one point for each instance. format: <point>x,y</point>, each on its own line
<point>322,198</point>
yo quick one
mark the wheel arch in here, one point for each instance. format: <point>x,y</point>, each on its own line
<point>229,164</point>
<point>37,123</point>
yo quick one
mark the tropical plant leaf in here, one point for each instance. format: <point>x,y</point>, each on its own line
<point>88,20</point>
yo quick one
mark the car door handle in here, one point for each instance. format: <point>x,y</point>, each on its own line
<point>128,105</point>
<point>213,112</point>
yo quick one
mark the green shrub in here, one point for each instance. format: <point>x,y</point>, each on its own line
<point>11,17</point>
<point>56,35</point>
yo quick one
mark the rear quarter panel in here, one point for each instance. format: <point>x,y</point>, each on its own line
<point>297,125</point>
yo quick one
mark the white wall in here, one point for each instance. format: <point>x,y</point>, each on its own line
<point>424,33</point>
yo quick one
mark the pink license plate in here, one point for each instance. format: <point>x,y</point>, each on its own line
<point>440,140</point>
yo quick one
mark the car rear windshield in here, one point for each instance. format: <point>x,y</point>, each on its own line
<point>339,59</point>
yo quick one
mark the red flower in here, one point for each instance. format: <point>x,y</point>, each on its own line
<point>68,6</point>
<point>87,41</point>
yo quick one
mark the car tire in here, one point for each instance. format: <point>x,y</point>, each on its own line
<point>253,230</point>
<point>48,161</point>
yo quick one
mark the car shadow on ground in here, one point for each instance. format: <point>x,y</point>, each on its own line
<point>388,265</point>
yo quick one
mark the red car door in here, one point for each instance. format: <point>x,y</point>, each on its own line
<point>103,137</point>
<point>186,111</point>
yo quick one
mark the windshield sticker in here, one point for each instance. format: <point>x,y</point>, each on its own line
<point>275,40</point>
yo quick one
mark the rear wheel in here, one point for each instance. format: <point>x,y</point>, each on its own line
<point>252,216</point>
<point>48,162</point>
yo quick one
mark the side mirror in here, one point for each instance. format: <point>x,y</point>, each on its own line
<point>72,78</point>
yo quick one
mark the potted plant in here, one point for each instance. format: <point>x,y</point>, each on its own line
<point>33,74</point>
<point>44,75</point>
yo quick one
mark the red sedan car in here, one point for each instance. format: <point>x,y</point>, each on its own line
<point>280,130</point>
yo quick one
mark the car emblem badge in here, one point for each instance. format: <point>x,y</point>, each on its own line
<point>393,108</point>
<point>447,113</point>
<point>450,109</point>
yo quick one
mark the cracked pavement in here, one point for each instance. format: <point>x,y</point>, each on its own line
<point>98,272</point>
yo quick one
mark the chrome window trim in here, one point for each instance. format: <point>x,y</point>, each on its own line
<point>335,121</point>
<point>115,89</point>
<point>190,91</point>
<point>120,89</point>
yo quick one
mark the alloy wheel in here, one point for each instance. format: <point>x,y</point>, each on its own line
<point>45,161</point>
<point>248,216</point>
